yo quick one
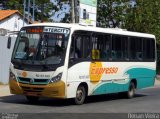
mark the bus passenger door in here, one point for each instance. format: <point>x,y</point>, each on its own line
<point>79,62</point>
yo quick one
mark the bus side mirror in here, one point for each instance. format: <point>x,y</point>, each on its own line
<point>9,42</point>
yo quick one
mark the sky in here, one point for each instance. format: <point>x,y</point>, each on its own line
<point>65,8</point>
<point>59,15</point>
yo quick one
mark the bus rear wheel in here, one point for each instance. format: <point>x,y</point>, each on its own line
<point>131,91</point>
<point>80,95</point>
<point>32,99</point>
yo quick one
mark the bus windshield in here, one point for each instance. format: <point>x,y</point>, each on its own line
<point>41,45</point>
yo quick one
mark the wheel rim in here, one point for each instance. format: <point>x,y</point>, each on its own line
<point>131,91</point>
<point>79,95</point>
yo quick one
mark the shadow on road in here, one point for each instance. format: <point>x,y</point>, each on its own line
<point>19,99</point>
<point>109,97</point>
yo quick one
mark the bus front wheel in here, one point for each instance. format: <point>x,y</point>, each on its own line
<point>80,95</point>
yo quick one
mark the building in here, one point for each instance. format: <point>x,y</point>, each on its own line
<point>10,20</point>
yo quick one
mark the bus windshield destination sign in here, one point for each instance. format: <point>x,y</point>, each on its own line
<point>56,30</point>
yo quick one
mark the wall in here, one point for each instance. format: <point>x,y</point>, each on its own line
<point>13,23</point>
<point>5,58</point>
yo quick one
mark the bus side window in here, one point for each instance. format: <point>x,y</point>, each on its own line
<point>80,46</point>
<point>119,48</point>
<point>75,51</point>
<point>136,49</point>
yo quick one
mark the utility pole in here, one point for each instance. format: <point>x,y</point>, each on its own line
<point>73,11</point>
<point>42,10</point>
<point>33,9</point>
<point>28,10</point>
<point>28,2</point>
<point>76,11</point>
<point>24,7</point>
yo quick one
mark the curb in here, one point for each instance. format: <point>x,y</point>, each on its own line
<point>157,83</point>
<point>4,90</point>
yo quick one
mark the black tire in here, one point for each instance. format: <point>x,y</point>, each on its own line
<point>80,95</point>
<point>32,99</point>
<point>131,91</point>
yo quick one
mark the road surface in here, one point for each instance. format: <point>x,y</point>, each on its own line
<point>146,100</point>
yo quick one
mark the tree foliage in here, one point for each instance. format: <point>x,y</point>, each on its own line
<point>140,15</point>
<point>44,9</point>
<point>110,13</point>
<point>145,17</point>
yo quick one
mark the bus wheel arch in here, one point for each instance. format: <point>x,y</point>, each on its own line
<point>85,85</point>
<point>81,93</point>
<point>135,82</point>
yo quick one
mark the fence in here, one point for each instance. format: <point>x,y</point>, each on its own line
<point>5,58</point>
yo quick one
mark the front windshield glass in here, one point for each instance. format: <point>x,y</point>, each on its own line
<point>41,45</point>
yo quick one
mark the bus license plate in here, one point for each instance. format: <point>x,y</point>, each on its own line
<point>31,93</point>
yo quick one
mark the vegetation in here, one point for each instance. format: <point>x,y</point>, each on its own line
<point>133,15</point>
<point>44,9</point>
<point>138,15</point>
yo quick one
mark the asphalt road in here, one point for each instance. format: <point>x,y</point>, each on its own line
<point>146,100</point>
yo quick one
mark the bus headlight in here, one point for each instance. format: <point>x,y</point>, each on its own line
<point>12,76</point>
<point>56,78</point>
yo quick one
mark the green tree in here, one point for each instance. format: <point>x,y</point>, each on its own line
<point>110,13</point>
<point>143,16</point>
<point>12,4</point>
<point>44,9</point>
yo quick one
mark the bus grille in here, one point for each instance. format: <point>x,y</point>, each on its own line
<point>33,81</point>
<point>32,89</point>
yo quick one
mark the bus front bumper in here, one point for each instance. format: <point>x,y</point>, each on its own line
<point>53,90</point>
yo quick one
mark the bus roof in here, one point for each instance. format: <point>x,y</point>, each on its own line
<point>96,29</point>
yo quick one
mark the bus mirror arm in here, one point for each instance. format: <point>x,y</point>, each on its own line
<point>9,38</point>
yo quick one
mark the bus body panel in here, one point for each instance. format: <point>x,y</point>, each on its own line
<point>110,81</point>
<point>23,83</point>
<point>54,90</point>
<point>77,74</point>
<point>101,77</point>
